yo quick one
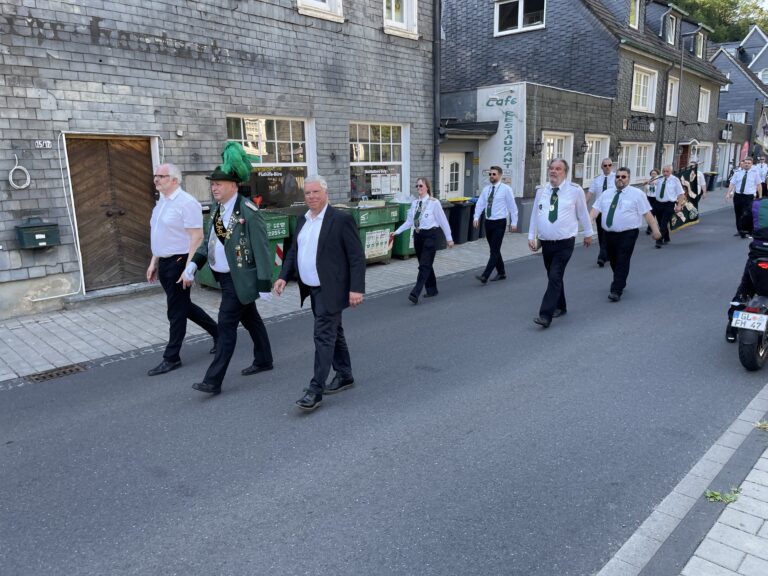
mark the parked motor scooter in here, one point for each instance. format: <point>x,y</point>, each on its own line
<point>751,318</point>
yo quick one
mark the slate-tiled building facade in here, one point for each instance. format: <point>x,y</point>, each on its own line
<point>93,95</point>
<point>600,78</point>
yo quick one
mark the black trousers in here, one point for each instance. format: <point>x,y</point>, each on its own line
<point>180,306</point>
<point>425,244</point>
<point>330,345</point>
<point>603,254</point>
<point>664,213</point>
<point>231,313</point>
<point>742,207</point>
<point>620,247</point>
<point>494,233</point>
<point>556,255</point>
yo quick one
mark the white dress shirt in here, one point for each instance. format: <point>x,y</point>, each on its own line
<point>596,187</point>
<point>753,181</point>
<point>503,203</point>
<point>571,209</point>
<point>762,170</point>
<point>652,188</point>
<point>219,262</point>
<point>630,209</point>
<point>432,216</point>
<point>307,252</point>
<point>171,217</point>
<point>672,189</point>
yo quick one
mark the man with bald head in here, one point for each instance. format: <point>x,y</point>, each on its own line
<point>177,231</point>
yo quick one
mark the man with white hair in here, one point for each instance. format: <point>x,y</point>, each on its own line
<point>177,231</point>
<point>329,263</point>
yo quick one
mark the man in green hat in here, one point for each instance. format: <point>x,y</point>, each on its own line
<point>237,250</point>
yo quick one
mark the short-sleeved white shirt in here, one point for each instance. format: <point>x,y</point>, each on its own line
<point>632,206</point>
<point>170,219</point>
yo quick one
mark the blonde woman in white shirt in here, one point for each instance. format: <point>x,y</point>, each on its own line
<point>426,218</point>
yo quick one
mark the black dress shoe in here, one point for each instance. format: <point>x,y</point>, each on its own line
<point>601,263</point>
<point>557,313</point>
<point>338,384</point>
<point>163,367</point>
<point>499,277</point>
<point>414,299</point>
<point>255,369</point>
<point>666,241</point>
<point>543,322</point>
<point>207,388</point>
<point>428,295</point>
<point>658,244</point>
<point>309,401</point>
<point>614,296</point>
<point>483,279</point>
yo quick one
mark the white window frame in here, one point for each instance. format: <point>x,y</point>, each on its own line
<point>698,45</point>
<point>704,106</point>
<point>726,87</point>
<point>565,152</point>
<point>653,76</point>
<point>325,9</point>
<point>599,147</point>
<point>310,143</point>
<point>521,25</point>
<point>670,29</point>
<point>634,14</point>
<point>673,95</point>
<point>740,117</point>
<point>409,27</point>
<point>405,154</point>
<point>631,154</point>
<point>704,153</point>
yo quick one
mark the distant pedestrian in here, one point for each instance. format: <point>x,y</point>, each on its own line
<point>625,207</point>
<point>762,170</point>
<point>558,209</point>
<point>329,263</point>
<point>600,184</point>
<point>239,255</point>
<point>744,187</point>
<point>669,195</point>
<point>426,218</point>
<point>650,193</point>
<point>496,202</point>
<point>176,233</point>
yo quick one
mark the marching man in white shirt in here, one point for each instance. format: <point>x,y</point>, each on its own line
<point>744,187</point>
<point>599,185</point>
<point>558,209</point>
<point>624,208</point>
<point>496,202</point>
<point>426,217</point>
<point>669,195</point>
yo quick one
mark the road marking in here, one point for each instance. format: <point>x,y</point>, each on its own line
<point>638,550</point>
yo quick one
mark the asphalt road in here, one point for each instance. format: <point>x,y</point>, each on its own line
<point>474,443</point>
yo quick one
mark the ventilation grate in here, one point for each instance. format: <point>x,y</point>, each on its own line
<point>56,373</point>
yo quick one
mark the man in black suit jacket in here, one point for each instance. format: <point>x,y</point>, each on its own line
<point>329,263</point>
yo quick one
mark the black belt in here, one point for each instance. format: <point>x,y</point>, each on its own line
<point>173,256</point>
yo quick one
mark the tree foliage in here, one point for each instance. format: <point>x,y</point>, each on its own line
<point>730,19</point>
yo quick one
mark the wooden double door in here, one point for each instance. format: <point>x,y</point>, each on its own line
<point>113,190</point>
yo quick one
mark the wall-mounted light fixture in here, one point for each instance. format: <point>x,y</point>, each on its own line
<point>584,147</point>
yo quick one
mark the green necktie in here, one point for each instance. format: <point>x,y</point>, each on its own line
<point>612,209</point>
<point>553,205</point>
<point>743,182</point>
<point>490,202</point>
<point>417,217</point>
<point>605,183</point>
<point>663,185</point>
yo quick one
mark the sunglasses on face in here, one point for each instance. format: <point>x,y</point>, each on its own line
<point>621,177</point>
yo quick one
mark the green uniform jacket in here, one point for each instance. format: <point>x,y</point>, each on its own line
<point>248,252</point>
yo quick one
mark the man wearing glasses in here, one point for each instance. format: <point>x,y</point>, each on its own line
<point>496,202</point>
<point>599,185</point>
<point>176,232</point>
<point>625,207</point>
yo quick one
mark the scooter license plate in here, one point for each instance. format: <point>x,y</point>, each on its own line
<point>749,321</point>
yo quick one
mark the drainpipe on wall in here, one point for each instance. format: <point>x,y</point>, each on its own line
<point>436,47</point>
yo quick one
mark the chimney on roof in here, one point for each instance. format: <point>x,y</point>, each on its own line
<point>742,55</point>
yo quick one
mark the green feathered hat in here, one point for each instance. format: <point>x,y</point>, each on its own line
<point>235,166</point>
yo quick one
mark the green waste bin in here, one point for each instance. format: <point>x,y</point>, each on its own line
<point>374,225</point>
<point>278,229</point>
<point>403,245</point>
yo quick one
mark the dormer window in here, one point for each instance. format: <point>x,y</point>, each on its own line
<point>518,16</point>
<point>670,29</point>
<point>698,45</point>
<point>634,13</point>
